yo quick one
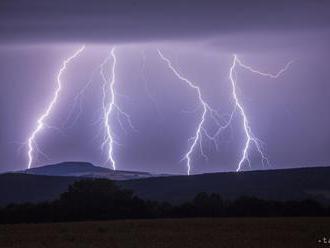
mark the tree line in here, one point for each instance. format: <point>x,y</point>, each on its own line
<point>102,199</point>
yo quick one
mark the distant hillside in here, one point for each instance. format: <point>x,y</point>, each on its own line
<point>19,188</point>
<point>83,169</point>
<point>284,184</point>
<point>288,184</point>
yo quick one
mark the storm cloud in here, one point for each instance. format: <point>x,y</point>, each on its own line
<point>289,114</point>
<point>126,21</point>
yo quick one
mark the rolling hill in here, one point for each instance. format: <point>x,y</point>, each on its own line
<point>83,169</point>
<point>21,188</point>
<point>283,185</point>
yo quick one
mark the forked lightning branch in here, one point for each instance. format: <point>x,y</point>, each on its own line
<point>111,109</point>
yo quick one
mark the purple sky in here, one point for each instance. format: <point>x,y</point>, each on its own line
<point>290,114</point>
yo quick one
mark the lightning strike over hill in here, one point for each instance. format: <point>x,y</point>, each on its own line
<point>109,106</point>
<point>251,139</point>
<point>197,139</point>
<point>41,121</point>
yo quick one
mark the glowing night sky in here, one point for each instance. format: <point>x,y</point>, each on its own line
<point>289,114</point>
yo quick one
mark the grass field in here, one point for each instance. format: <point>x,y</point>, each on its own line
<point>182,233</point>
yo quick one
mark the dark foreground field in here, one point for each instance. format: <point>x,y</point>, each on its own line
<point>190,233</point>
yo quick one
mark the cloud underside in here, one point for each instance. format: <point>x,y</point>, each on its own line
<point>126,21</point>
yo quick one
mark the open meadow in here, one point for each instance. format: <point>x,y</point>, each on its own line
<point>201,233</point>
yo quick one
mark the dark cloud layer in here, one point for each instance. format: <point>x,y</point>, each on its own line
<point>125,20</point>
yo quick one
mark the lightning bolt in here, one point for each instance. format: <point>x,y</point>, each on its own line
<point>110,106</point>
<point>251,139</point>
<point>197,138</point>
<point>41,121</point>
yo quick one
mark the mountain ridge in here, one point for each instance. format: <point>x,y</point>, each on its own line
<point>281,185</point>
<point>84,169</point>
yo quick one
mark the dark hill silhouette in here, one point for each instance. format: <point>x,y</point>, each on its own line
<point>282,185</point>
<point>20,188</point>
<point>66,169</point>
<point>83,169</point>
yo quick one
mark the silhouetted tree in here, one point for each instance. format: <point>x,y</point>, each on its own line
<point>101,199</point>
